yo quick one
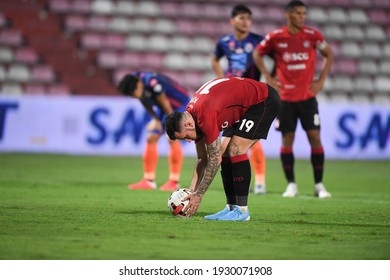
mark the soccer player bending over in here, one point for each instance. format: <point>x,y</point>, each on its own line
<point>160,96</point>
<point>244,110</point>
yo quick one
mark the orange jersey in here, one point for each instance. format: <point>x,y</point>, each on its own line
<point>295,60</point>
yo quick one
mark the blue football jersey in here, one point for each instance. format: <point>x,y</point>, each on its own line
<point>239,55</point>
<point>155,84</point>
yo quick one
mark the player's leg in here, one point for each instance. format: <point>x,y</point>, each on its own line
<point>317,160</point>
<point>240,177</point>
<point>286,123</point>
<point>311,124</point>
<point>254,125</point>
<point>227,178</point>
<point>257,159</point>
<point>150,158</point>
<point>175,161</point>
<point>288,161</point>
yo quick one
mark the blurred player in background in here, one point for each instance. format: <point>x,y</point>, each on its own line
<point>244,110</point>
<point>160,95</point>
<point>238,49</point>
<point>294,48</point>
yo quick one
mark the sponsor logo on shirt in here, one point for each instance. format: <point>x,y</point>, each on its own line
<point>292,57</point>
<point>232,45</point>
<point>248,47</point>
<point>157,88</point>
<point>300,66</point>
<point>308,31</point>
<point>225,125</point>
<point>283,45</point>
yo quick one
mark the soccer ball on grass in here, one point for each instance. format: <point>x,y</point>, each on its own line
<point>175,203</point>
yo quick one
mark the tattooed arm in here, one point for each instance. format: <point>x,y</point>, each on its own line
<point>200,165</point>
<point>214,160</point>
<point>211,168</point>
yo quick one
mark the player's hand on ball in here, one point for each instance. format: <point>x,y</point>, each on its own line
<point>194,202</point>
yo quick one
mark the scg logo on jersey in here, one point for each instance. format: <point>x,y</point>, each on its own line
<point>291,57</point>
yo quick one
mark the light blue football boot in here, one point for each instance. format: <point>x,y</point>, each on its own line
<point>218,214</point>
<point>235,215</point>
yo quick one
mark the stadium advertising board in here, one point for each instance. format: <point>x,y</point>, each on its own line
<point>116,126</point>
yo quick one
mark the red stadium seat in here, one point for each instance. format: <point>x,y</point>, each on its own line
<point>75,23</point>
<point>108,59</point>
<point>170,9</point>
<point>35,89</point>
<point>379,16</point>
<point>43,74</point>
<point>382,3</point>
<point>59,89</point>
<point>154,61</point>
<point>59,6</point>
<point>131,60</point>
<point>98,23</point>
<point>11,37</point>
<point>80,6</point>
<point>346,66</point>
<point>91,41</point>
<point>113,41</point>
<point>26,55</point>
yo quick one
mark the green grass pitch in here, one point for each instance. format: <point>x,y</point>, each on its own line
<point>78,207</point>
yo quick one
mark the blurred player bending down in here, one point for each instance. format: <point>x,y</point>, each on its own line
<point>161,96</point>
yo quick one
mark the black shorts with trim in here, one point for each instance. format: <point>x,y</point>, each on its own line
<point>306,111</point>
<point>257,120</point>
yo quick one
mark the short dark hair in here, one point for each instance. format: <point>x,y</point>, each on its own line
<point>240,9</point>
<point>172,124</point>
<point>128,84</point>
<point>292,4</point>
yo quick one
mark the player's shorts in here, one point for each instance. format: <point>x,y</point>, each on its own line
<point>257,120</point>
<point>306,111</point>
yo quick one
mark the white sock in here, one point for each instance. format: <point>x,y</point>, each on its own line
<point>243,208</point>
